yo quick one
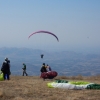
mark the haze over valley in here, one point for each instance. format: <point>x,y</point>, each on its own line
<point>68,63</point>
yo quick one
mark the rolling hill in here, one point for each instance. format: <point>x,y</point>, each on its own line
<point>65,63</point>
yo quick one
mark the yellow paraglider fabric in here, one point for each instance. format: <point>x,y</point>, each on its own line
<point>1,76</point>
<point>79,82</point>
<point>50,84</point>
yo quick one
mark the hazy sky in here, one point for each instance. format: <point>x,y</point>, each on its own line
<point>75,22</point>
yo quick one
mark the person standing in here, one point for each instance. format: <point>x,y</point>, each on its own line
<point>24,69</point>
<point>43,72</point>
<point>48,68</point>
<point>6,69</point>
<point>43,68</point>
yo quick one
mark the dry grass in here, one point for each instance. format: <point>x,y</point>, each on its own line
<point>34,88</point>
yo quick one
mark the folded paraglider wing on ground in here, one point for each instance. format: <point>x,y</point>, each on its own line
<point>79,85</point>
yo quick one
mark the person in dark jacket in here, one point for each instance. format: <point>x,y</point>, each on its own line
<point>24,69</point>
<point>43,71</point>
<point>43,68</point>
<point>6,69</point>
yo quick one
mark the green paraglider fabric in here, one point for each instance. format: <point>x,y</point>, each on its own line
<point>1,76</point>
<point>73,85</point>
<point>50,84</point>
<point>79,82</point>
<point>61,81</point>
<point>93,86</point>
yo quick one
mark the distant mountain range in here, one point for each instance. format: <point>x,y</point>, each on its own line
<point>66,63</point>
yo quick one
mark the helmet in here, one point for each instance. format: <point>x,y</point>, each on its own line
<point>43,63</point>
<point>6,59</point>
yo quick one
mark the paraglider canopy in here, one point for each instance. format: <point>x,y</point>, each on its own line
<point>47,32</point>
<point>42,55</point>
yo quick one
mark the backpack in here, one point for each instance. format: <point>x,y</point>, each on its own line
<point>5,67</point>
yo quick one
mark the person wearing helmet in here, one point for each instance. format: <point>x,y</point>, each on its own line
<point>43,68</point>
<point>48,68</point>
<point>6,69</point>
<point>6,59</point>
<point>43,71</point>
<point>24,69</point>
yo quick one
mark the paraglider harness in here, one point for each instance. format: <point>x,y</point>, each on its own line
<point>42,55</point>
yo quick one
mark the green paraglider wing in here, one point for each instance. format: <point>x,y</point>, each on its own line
<point>1,76</point>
